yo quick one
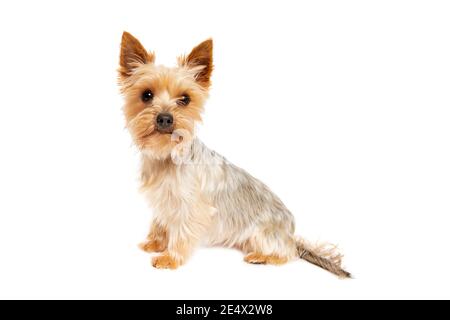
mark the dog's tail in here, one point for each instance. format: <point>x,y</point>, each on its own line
<point>325,256</point>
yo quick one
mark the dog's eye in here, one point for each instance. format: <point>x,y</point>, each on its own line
<point>147,96</point>
<point>184,100</point>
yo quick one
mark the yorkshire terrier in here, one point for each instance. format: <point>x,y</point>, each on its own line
<point>197,196</point>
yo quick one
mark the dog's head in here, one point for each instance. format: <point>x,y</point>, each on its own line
<point>161,101</point>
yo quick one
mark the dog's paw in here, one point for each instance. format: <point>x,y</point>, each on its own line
<point>164,261</point>
<point>257,258</point>
<point>151,246</point>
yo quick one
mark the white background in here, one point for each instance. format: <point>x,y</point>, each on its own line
<point>342,107</point>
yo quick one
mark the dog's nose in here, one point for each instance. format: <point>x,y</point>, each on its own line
<point>164,122</point>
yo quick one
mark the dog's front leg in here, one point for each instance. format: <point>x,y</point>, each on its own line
<point>176,254</point>
<point>184,235</point>
<point>157,240</point>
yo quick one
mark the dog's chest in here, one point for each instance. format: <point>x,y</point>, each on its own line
<point>165,183</point>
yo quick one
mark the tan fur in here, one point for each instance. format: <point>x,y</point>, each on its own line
<point>131,54</point>
<point>168,85</point>
<point>197,196</point>
<point>201,55</point>
<point>258,258</point>
<point>164,261</point>
<point>157,240</point>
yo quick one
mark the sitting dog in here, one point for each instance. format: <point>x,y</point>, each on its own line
<point>197,196</point>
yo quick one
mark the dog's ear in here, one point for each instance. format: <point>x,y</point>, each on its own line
<point>200,59</point>
<point>132,54</point>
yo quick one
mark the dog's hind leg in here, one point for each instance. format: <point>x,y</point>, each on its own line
<point>270,245</point>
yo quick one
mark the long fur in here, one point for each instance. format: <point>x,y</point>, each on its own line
<point>323,255</point>
<point>197,196</point>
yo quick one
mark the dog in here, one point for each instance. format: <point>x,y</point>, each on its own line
<point>197,196</point>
